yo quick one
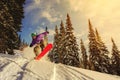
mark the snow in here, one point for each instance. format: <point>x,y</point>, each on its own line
<point>22,66</point>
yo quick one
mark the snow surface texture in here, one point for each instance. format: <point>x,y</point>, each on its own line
<point>22,66</point>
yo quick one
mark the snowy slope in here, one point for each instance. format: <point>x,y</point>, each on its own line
<point>23,67</point>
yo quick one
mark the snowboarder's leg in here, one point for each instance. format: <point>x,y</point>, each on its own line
<point>45,42</point>
<point>37,50</point>
<point>42,45</point>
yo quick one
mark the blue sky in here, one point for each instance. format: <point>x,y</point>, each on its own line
<point>38,15</point>
<point>104,15</point>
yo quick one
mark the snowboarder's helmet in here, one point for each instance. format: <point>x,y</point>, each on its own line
<point>33,34</point>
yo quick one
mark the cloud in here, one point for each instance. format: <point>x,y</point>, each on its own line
<point>79,36</point>
<point>31,5</point>
<point>58,1</point>
<point>43,23</point>
<point>48,16</point>
<point>74,5</point>
<point>104,15</point>
<point>51,32</point>
<point>39,10</point>
<point>37,1</point>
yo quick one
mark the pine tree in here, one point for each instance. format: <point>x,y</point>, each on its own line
<point>62,29</point>
<point>6,22</point>
<point>23,45</point>
<point>19,42</point>
<point>71,54</point>
<point>60,44</point>
<point>104,64</point>
<point>54,54</point>
<point>11,14</point>
<point>65,48</point>
<point>84,55</point>
<point>16,10</point>
<point>115,59</point>
<point>93,49</point>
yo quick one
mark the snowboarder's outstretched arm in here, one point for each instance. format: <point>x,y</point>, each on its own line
<point>38,38</point>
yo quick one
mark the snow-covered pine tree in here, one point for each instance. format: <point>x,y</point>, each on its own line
<point>62,29</point>
<point>19,42</point>
<point>71,50</point>
<point>6,22</point>
<point>10,23</point>
<point>104,64</point>
<point>94,56</point>
<point>23,45</point>
<point>84,55</point>
<point>15,8</point>
<point>54,53</point>
<point>60,44</point>
<point>115,59</point>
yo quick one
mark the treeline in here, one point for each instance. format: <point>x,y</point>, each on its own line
<point>11,14</point>
<point>66,50</point>
<point>22,44</point>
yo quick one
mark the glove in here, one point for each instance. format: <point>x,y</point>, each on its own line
<point>30,45</point>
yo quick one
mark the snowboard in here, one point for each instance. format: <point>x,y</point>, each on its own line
<point>45,50</point>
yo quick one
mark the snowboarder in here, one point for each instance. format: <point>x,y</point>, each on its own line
<point>38,41</point>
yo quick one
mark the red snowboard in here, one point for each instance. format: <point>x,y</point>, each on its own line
<point>45,50</point>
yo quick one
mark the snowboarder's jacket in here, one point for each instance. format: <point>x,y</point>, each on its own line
<point>38,38</point>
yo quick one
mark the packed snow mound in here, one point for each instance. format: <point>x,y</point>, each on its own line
<point>23,67</point>
<point>29,54</point>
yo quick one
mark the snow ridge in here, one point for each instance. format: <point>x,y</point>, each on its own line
<point>22,68</point>
<point>54,73</point>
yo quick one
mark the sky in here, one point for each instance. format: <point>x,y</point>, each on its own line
<point>104,15</point>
